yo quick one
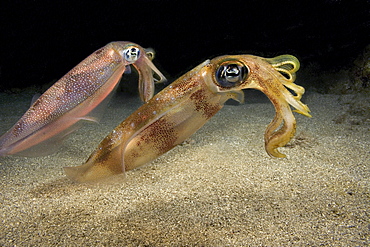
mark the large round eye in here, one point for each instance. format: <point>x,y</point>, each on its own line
<point>131,54</point>
<point>231,73</point>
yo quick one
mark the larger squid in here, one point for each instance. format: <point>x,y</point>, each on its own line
<point>184,106</point>
<point>77,96</point>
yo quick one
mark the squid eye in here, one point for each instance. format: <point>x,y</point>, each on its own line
<point>131,54</point>
<point>231,73</point>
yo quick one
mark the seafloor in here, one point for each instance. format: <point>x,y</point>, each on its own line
<point>220,188</point>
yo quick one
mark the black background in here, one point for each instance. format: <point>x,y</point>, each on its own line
<point>43,40</point>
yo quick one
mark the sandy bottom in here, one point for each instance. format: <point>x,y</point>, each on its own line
<point>220,188</point>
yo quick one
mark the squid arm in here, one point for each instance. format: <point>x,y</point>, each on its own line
<point>78,96</point>
<point>274,86</point>
<point>184,106</point>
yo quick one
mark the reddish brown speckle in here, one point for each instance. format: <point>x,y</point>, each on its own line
<point>202,104</point>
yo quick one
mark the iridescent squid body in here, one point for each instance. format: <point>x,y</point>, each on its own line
<point>79,95</point>
<point>184,106</point>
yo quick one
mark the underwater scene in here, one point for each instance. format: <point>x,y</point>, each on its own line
<point>168,124</point>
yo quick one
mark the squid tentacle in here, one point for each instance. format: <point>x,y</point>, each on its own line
<point>276,137</point>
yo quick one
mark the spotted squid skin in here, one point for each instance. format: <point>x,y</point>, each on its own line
<point>73,98</point>
<point>153,129</point>
<point>183,107</point>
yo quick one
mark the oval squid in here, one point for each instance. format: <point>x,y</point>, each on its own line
<point>78,96</point>
<point>184,106</point>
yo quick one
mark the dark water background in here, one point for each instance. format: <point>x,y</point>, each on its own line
<point>43,40</point>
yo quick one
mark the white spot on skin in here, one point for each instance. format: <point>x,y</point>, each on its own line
<point>154,112</point>
<point>132,125</point>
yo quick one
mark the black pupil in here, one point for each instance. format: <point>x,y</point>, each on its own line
<point>231,74</point>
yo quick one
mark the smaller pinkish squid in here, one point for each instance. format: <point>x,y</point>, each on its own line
<point>184,106</point>
<point>76,96</point>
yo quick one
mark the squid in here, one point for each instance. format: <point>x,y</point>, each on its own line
<point>79,95</point>
<point>184,106</point>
